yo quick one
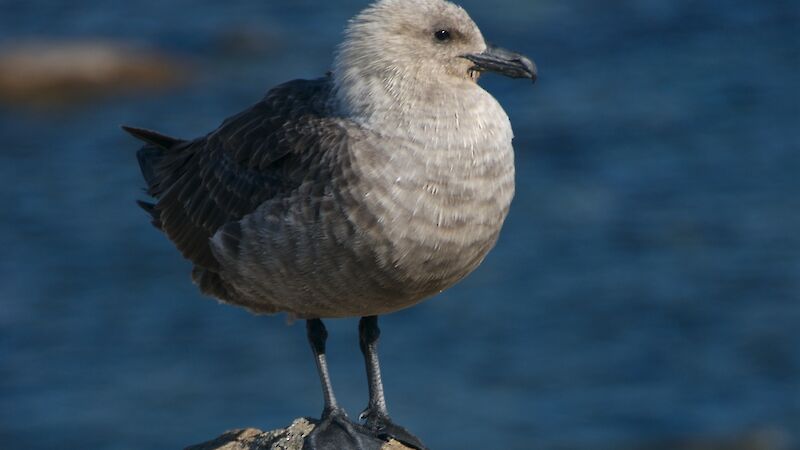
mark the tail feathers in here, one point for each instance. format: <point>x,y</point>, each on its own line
<point>149,157</point>
<point>154,213</point>
<point>152,137</point>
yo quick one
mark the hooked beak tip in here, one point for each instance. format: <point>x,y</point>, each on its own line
<point>533,71</point>
<point>504,62</point>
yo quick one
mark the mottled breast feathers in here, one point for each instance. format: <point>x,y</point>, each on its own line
<point>204,184</point>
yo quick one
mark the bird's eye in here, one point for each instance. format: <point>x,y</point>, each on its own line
<point>442,35</point>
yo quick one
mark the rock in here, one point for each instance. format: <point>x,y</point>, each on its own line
<point>290,438</point>
<point>45,73</point>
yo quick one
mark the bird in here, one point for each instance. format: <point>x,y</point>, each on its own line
<point>356,194</point>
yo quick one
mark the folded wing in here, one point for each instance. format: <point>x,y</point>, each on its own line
<point>259,154</point>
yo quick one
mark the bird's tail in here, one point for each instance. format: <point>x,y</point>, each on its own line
<point>150,156</point>
<point>152,137</point>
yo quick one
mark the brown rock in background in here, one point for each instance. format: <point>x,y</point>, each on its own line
<point>58,72</point>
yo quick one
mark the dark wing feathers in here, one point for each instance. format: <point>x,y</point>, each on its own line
<point>204,184</point>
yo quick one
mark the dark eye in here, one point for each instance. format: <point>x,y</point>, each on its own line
<point>442,35</point>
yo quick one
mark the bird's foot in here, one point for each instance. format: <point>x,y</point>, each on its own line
<point>336,432</point>
<point>383,427</point>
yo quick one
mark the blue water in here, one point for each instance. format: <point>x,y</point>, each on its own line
<point>646,288</point>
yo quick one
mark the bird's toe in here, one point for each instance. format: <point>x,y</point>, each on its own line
<point>383,427</point>
<point>336,432</point>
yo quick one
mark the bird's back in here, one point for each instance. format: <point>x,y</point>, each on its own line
<point>260,154</point>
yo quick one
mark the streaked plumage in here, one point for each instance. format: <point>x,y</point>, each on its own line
<point>290,207</point>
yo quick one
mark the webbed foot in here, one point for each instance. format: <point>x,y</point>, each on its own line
<point>383,427</point>
<point>336,432</point>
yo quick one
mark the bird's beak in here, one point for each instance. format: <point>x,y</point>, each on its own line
<point>504,62</point>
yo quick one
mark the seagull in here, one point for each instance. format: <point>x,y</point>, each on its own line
<point>356,194</point>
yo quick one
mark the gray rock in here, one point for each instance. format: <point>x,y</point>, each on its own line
<point>289,438</point>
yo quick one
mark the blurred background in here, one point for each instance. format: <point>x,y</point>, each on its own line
<point>645,293</point>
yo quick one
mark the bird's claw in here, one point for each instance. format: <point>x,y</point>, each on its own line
<point>366,414</point>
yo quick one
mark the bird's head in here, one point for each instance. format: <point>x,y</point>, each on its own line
<point>395,45</point>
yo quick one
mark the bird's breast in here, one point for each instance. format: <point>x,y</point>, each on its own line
<point>435,205</point>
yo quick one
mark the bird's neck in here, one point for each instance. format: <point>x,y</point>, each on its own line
<point>457,113</point>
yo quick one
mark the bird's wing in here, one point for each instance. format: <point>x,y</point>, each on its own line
<point>203,184</point>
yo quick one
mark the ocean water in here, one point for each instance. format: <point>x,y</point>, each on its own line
<point>645,292</point>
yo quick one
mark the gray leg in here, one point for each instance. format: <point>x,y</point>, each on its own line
<point>334,431</point>
<point>317,335</point>
<point>368,334</point>
<point>376,415</point>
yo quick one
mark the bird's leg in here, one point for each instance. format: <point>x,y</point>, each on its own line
<point>334,430</point>
<point>317,336</point>
<point>368,335</point>
<point>376,415</point>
